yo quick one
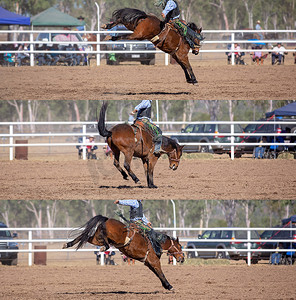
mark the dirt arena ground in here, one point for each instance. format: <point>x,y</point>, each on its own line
<point>138,282</point>
<point>195,179</point>
<point>159,82</point>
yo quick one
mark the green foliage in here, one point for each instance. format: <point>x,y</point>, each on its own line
<point>160,212</point>
<point>275,14</point>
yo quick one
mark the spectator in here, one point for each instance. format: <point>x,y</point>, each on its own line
<point>80,28</point>
<point>258,56</point>
<point>258,27</point>
<point>238,55</point>
<point>90,148</point>
<point>259,150</point>
<point>22,57</point>
<point>294,54</point>
<point>277,53</point>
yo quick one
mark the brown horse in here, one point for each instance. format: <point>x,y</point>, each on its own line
<point>165,37</point>
<point>104,232</point>
<point>136,142</point>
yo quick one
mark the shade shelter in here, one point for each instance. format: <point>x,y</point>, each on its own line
<point>287,110</point>
<point>9,18</point>
<point>52,17</point>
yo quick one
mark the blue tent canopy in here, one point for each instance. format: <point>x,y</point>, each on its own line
<point>10,18</point>
<point>288,110</point>
<point>292,219</point>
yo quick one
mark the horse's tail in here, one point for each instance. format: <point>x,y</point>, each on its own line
<point>89,229</point>
<point>128,16</point>
<point>101,123</point>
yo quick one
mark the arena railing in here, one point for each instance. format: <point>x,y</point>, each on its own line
<point>9,137</point>
<point>30,241</point>
<point>32,51</point>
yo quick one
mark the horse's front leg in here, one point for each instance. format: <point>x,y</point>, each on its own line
<point>151,162</point>
<point>153,263</point>
<point>183,61</point>
<point>127,165</point>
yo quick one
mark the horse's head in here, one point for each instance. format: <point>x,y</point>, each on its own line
<point>176,250</point>
<point>199,37</point>
<point>175,156</point>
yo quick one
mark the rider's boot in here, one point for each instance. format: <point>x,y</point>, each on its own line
<point>157,144</point>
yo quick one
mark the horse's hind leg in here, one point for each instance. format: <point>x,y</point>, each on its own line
<point>127,165</point>
<point>116,153</point>
<point>156,269</point>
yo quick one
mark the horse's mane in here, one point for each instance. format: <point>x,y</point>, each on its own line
<point>128,15</point>
<point>166,141</point>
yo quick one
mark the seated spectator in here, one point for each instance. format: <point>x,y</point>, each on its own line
<point>259,150</point>
<point>257,55</point>
<point>108,151</point>
<point>238,55</point>
<point>278,53</point>
<point>43,58</point>
<point>22,57</point>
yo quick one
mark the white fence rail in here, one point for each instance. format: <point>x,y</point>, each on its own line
<point>30,241</point>
<point>8,138</point>
<point>231,33</point>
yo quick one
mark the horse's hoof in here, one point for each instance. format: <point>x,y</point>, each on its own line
<point>152,186</point>
<point>64,246</point>
<point>170,288</point>
<point>104,26</point>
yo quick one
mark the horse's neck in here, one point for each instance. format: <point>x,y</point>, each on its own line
<point>167,146</point>
<point>167,243</point>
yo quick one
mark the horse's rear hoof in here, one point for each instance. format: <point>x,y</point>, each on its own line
<point>170,288</point>
<point>64,246</point>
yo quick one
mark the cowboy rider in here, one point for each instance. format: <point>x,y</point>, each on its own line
<point>137,216</point>
<point>143,111</point>
<point>171,13</point>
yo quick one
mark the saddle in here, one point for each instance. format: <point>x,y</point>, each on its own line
<point>161,37</point>
<point>150,235</point>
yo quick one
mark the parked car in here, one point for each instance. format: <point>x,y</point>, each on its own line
<point>273,127</point>
<point>233,246</point>
<point>8,258</point>
<point>116,58</point>
<point>218,138</point>
<point>268,236</point>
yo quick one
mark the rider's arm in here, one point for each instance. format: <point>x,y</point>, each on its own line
<point>169,6</point>
<point>132,203</point>
<point>143,104</point>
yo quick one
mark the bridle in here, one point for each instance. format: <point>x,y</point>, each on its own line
<point>175,248</point>
<point>175,154</point>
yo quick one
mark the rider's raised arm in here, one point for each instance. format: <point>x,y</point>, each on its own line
<point>132,203</point>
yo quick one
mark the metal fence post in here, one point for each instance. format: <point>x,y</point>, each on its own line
<point>31,49</point>
<point>30,247</point>
<point>102,258</point>
<point>232,141</point>
<point>98,55</point>
<point>83,142</point>
<point>232,48</point>
<point>249,247</point>
<point>11,142</point>
<point>166,59</point>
